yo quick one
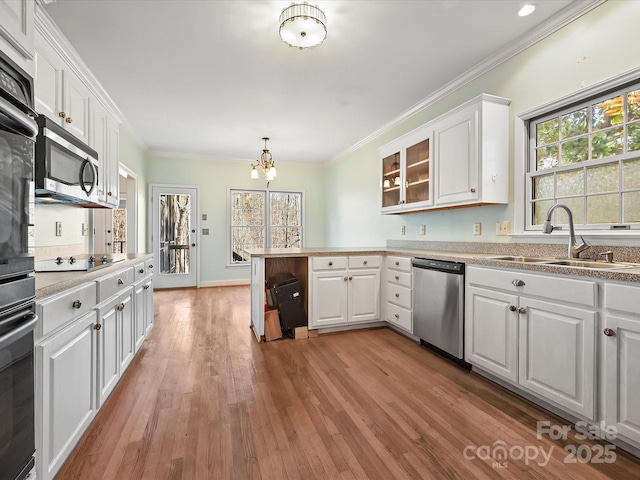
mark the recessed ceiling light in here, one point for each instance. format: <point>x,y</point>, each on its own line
<point>526,10</point>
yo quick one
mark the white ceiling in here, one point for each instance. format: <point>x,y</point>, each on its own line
<point>210,78</point>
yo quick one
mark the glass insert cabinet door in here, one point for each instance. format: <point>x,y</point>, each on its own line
<point>406,172</point>
<point>175,228</point>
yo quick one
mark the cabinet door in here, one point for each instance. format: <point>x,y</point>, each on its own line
<point>98,141</point>
<point>126,334</point>
<point>621,374</point>
<point>557,354</point>
<point>48,81</point>
<point>392,193</point>
<point>457,158</point>
<point>112,167</point>
<point>16,25</point>
<point>491,331</point>
<point>329,298</point>
<point>418,187</point>
<point>66,401</point>
<point>140,303</point>
<point>364,296</point>
<point>149,311</point>
<point>76,106</point>
<point>108,359</point>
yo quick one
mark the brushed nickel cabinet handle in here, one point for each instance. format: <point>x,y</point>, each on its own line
<point>473,190</point>
<point>120,281</point>
<point>365,262</point>
<point>141,270</point>
<point>518,283</point>
<point>397,277</point>
<point>345,279</point>
<point>121,307</point>
<point>146,287</point>
<point>350,278</point>
<point>62,114</point>
<point>76,304</point>
<point>109,194</point>
<point>330,264</point>
<point>150,266</point>
<point>97,326</point>
<point>397,295</point>
<point>397,316</point>
<point>68,120</point>
<point>512,308</point>
<point>522,310</point>
<point>397,263</point>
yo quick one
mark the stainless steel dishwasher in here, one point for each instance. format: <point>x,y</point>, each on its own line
<point>438,305</point>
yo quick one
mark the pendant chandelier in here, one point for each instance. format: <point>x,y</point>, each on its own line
<point>303,25</point>
<point>265,162</point>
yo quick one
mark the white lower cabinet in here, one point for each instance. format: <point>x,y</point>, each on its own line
<point>620,337</point>
<point>519,327</point>
<point>65,393</point>
<point>116,346</point>
<point>144,311</point>
<point>344,290</point>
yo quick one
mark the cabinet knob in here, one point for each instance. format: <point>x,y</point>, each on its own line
<point>350,278</point>
<point>150,266</point>
<point>62,114</point>
<point>120,281</point>
<point>97,326</point>
<point>397,263</point>
<point>141,270</point>
<point>330,264</point>
<point>473,190</point>
<point>365,262</point>
<point>522,310</point>
<point>76,304</point>
<point>397,277</point>
<point>146,287</point>
<point>345,279</point>
<point>397,316</point>
<point>193,244</point>
<point>108,244</point>
<point>68,120</point>
<point>518,283</point>
<point>109,194</point>
<point>121,307</point>
<point>397,295</point>
<point>608,332</point>
<point>512,308</point>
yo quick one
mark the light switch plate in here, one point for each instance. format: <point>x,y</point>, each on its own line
<point>205,231</point>
<point>204,216</point>
<point>58,229</point>
<point>403,230</point>
<point>503,228</point>
<point>477,228</point>
<point>423,229</point>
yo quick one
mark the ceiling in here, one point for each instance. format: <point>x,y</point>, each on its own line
<point>210,78</point>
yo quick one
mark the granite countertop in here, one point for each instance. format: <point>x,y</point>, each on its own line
<point>51,283</point>
<point>623,275</point>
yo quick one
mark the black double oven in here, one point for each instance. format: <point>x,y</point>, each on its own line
<point>18,131</point>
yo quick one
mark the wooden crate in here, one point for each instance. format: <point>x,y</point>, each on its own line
<point>272,330</point>
<point>300,332</point>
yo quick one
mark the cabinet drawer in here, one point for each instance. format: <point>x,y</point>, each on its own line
<point>399,295</point>
<point>623,298</point>
<point>329,263</point>
<point>561,288</point>
<point>399,278</point>
<point>139,271</point>
<point>399,263</point>
<point>148,266</point>
<point>114,283</point>
<point>364,261</point>
<point>399,316</point>
<point>56,311</point>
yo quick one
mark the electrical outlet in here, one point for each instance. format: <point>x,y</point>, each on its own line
<point>205,231</point>
<point>204,216</point>
<point>423,229</point>
<point>477,228</point>
<point>503,228</point>
<point>58,229</point>
<point>402,230</point>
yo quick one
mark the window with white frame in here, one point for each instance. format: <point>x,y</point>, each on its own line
<point>263,219</point>
<point>587,156</point>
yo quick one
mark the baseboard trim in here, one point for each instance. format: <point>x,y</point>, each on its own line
<point>225,283</point>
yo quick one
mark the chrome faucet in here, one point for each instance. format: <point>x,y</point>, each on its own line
<point>574,247</point>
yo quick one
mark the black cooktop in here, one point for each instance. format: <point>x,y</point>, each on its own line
<point>80,263</point>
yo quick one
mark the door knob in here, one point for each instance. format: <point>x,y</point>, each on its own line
<point>609,332</point>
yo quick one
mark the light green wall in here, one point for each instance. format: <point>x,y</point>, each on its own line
<point>132,156</point>
<point>556,66</point>
<point>214,178</point>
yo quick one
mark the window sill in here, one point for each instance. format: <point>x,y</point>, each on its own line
<point>607,238</point>
<point>238,264</point>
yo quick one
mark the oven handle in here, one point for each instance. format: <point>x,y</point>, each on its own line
<point>26,327</point>
<point>17,120</point>
<point>93,184</point>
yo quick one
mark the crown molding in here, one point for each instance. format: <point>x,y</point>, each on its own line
<point>214,158</point>
<point>560,20</point>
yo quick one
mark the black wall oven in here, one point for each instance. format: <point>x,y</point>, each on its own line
<point>18,131</point>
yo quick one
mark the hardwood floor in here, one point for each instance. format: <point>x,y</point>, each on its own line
<point>204,400</point>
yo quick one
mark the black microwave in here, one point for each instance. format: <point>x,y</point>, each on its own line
<point>66,169</point>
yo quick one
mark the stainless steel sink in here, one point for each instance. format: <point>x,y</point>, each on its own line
<point>509,258</point>
<point>589,264</point>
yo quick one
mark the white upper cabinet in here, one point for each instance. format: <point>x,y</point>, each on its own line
<point>16,30</point>
<point>458,159</point>
<point>103,138</point>
<point>59,92</point>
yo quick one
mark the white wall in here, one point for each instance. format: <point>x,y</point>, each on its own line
<point>599,45</point>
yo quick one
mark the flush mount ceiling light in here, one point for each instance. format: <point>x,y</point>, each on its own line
<point>265,162</point>
<point>526,10</point>
<point>302,25</point>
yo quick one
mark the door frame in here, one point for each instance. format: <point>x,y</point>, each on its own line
<point>195,262</point>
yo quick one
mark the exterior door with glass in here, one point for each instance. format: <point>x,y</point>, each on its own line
<point>174,235</point>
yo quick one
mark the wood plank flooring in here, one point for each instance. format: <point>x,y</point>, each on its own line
<point>204,400</point>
